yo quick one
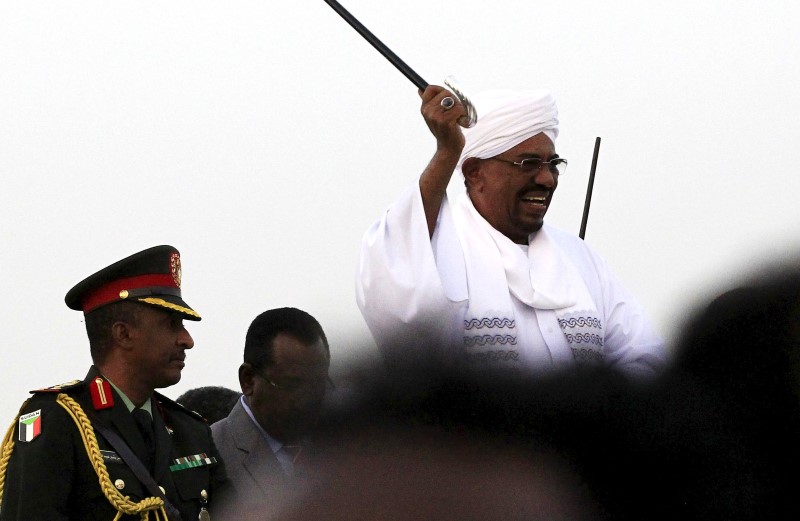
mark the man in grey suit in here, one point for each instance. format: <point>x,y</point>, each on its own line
<point>283,380</point>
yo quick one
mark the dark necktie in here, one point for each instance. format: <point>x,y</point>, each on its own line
<point>145,424</point>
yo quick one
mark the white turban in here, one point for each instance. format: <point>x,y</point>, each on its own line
<point>506,118</point>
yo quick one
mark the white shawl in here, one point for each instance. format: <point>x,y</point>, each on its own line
<point>545,279</point>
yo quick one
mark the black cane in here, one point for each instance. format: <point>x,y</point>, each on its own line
<point>589,189</point>
<point>471,117</point>
<point>395,60</point>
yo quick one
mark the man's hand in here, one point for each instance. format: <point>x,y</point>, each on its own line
<point>443,122</point>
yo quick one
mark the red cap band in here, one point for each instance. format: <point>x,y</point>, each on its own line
<point>111,292</point>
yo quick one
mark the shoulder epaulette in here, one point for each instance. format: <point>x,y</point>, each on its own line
<point>172,404</point>
<point>72,384</point>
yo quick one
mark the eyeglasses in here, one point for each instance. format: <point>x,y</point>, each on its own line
<point>533,165</point>
<point>295,385</point>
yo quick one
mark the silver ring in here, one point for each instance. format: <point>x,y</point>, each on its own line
<point>447,103</point>
<point>471,117</point>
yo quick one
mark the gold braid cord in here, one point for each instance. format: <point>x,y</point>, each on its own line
<point>5,455</point>
<point>123,504</point>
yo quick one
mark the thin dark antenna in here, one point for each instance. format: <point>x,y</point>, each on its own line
<point>589,189</point>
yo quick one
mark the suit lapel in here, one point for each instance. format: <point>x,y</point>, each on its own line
<point>257,457</point>
<point>264,467</point>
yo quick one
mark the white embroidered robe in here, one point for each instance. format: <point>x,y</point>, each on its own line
<point>414,295</point>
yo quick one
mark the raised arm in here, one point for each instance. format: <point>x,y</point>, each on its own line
<point>443,124</point>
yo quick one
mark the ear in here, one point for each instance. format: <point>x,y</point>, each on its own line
<point>246,376</point>
<point>123,335</point>
<point>471,168</point>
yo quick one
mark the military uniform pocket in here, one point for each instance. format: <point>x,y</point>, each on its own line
<point>192,482</point>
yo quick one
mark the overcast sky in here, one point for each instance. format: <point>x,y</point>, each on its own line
<point>263,138</point>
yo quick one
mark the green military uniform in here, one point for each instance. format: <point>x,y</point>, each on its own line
<point>51,477</point>
<point>57,462</point>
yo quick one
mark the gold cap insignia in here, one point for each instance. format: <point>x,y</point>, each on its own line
<point>175,268</point>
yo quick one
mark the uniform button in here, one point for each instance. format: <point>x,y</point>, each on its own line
<point>119,484</point>
<point>204,495</point>
<point>162,489</point>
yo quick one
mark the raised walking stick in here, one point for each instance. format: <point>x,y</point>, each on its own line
<point>471,117</point>
<point>582,233</point>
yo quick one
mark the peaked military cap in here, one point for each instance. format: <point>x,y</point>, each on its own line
<point>151,277</point>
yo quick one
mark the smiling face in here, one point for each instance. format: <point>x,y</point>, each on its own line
<point>513,202</point>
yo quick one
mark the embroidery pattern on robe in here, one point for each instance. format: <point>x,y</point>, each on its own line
<point>584,333</point>
<point>490,339</point>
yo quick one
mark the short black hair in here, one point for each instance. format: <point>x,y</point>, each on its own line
<point>212,402</point>
<point>99,322</point>
<point>271,323</point>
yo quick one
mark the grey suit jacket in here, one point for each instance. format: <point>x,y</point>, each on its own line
<point>256,479</point>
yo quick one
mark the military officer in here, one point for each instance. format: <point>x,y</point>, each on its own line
<point>110,447</point>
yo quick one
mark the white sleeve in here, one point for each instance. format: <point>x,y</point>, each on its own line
<point>398,286</point>
<point>631,343</point>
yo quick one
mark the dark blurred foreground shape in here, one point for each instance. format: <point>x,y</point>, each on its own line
<point>743,355</point>
<point>714,438</point>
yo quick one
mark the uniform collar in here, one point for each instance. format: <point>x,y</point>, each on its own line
<point>129,404</point>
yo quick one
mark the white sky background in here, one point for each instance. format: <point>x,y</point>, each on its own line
<point>263,138</point>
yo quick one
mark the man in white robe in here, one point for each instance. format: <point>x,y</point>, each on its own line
<point>483,280</point>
